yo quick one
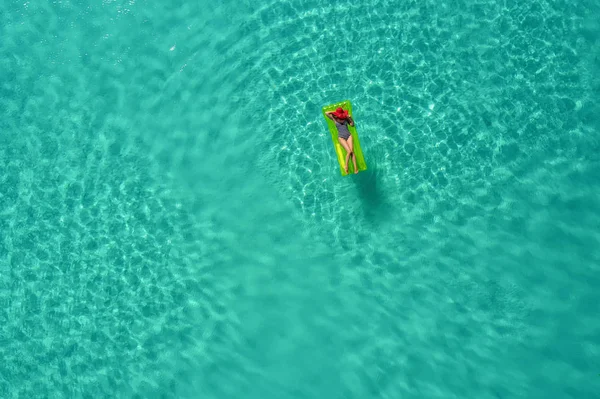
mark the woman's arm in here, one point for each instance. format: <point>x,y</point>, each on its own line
<point>351,121</point>
<point>329,115</point>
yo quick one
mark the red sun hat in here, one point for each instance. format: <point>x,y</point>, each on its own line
<point>340,113</point>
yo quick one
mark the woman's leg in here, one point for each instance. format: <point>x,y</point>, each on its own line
<point>351,149</point>
<point>348,151</point>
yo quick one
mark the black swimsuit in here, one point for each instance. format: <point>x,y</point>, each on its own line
<point>342,128</point>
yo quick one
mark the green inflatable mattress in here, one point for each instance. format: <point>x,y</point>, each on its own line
<point>339,150</point>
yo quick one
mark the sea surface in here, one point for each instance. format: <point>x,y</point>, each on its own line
<point>173,223</point>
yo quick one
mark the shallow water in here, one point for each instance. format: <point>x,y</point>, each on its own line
<point>173,222</point>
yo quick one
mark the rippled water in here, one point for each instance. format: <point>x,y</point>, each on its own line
<point>173,222</point>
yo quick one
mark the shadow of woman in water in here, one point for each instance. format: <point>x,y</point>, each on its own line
<point>374,202</point>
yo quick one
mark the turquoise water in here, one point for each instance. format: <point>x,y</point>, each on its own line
<point>173,222</point>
